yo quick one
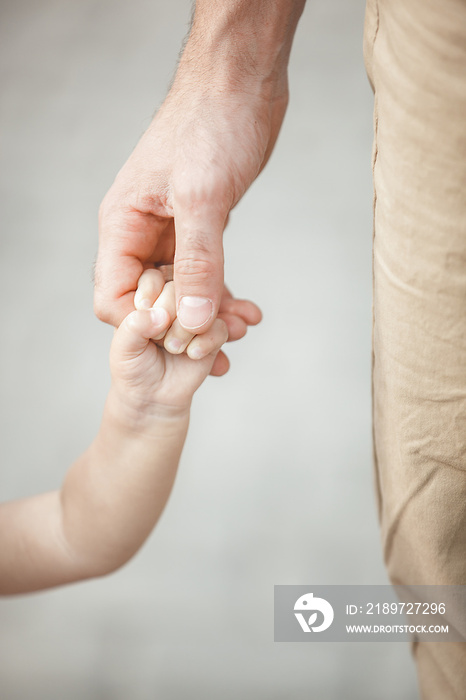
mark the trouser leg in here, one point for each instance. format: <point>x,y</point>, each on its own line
<point>415,52</point>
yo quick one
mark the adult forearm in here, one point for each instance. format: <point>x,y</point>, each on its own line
<point>241,41</point>
<point>207,143</point>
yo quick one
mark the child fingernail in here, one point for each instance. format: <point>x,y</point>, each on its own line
<point>173,345</point>
<point>196,354</point>
<point>141,302</point>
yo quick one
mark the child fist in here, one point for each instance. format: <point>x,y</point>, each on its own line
<point>149,375</point>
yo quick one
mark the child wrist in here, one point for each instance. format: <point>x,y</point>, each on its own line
<point>144,417</point>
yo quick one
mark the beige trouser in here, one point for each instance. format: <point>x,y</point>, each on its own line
<point>415,54</point>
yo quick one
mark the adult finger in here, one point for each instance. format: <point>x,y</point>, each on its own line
<point>245,309</point>
<point>221,365</point>
<point>115,279</point>
<point>127,241</point>
<point>237,328</point>
<point>198,271</point>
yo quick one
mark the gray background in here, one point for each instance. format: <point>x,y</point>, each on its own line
<point>275,485</point>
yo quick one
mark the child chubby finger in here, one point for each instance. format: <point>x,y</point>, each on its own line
<point>154,292</point>
<point>166,300</point>
<point>136,330</point>
<point>177,338</point>
<point>208,343</point>
<point>150,284</point>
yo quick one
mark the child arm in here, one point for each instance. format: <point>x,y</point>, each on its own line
<point>113,495</point>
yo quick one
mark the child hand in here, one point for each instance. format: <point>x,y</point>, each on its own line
<point>238,314</point>
<point>147,376</point>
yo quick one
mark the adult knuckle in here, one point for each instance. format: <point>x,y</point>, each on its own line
<point>199,242</point>
<point>198,269</point>
<point>107,206</point>
<point>184,193</point>
<point>100,308</point>
<point>208,187</point>
<point>100,304</point>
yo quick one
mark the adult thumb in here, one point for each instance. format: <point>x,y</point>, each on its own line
<point>198,270</point>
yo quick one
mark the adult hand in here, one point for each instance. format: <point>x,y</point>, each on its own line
<point>207,143</point>
<point>173,196</point>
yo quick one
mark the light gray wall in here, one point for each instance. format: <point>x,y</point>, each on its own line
<point>275,484</point>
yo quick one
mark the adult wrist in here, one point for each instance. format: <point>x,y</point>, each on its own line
<point>242,44</point>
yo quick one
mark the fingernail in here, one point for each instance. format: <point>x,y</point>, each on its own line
<point>173,345</point>
<point>140,302</point>
<point>158,316</point>
<point>196,354</point>
<point>194,311</point>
